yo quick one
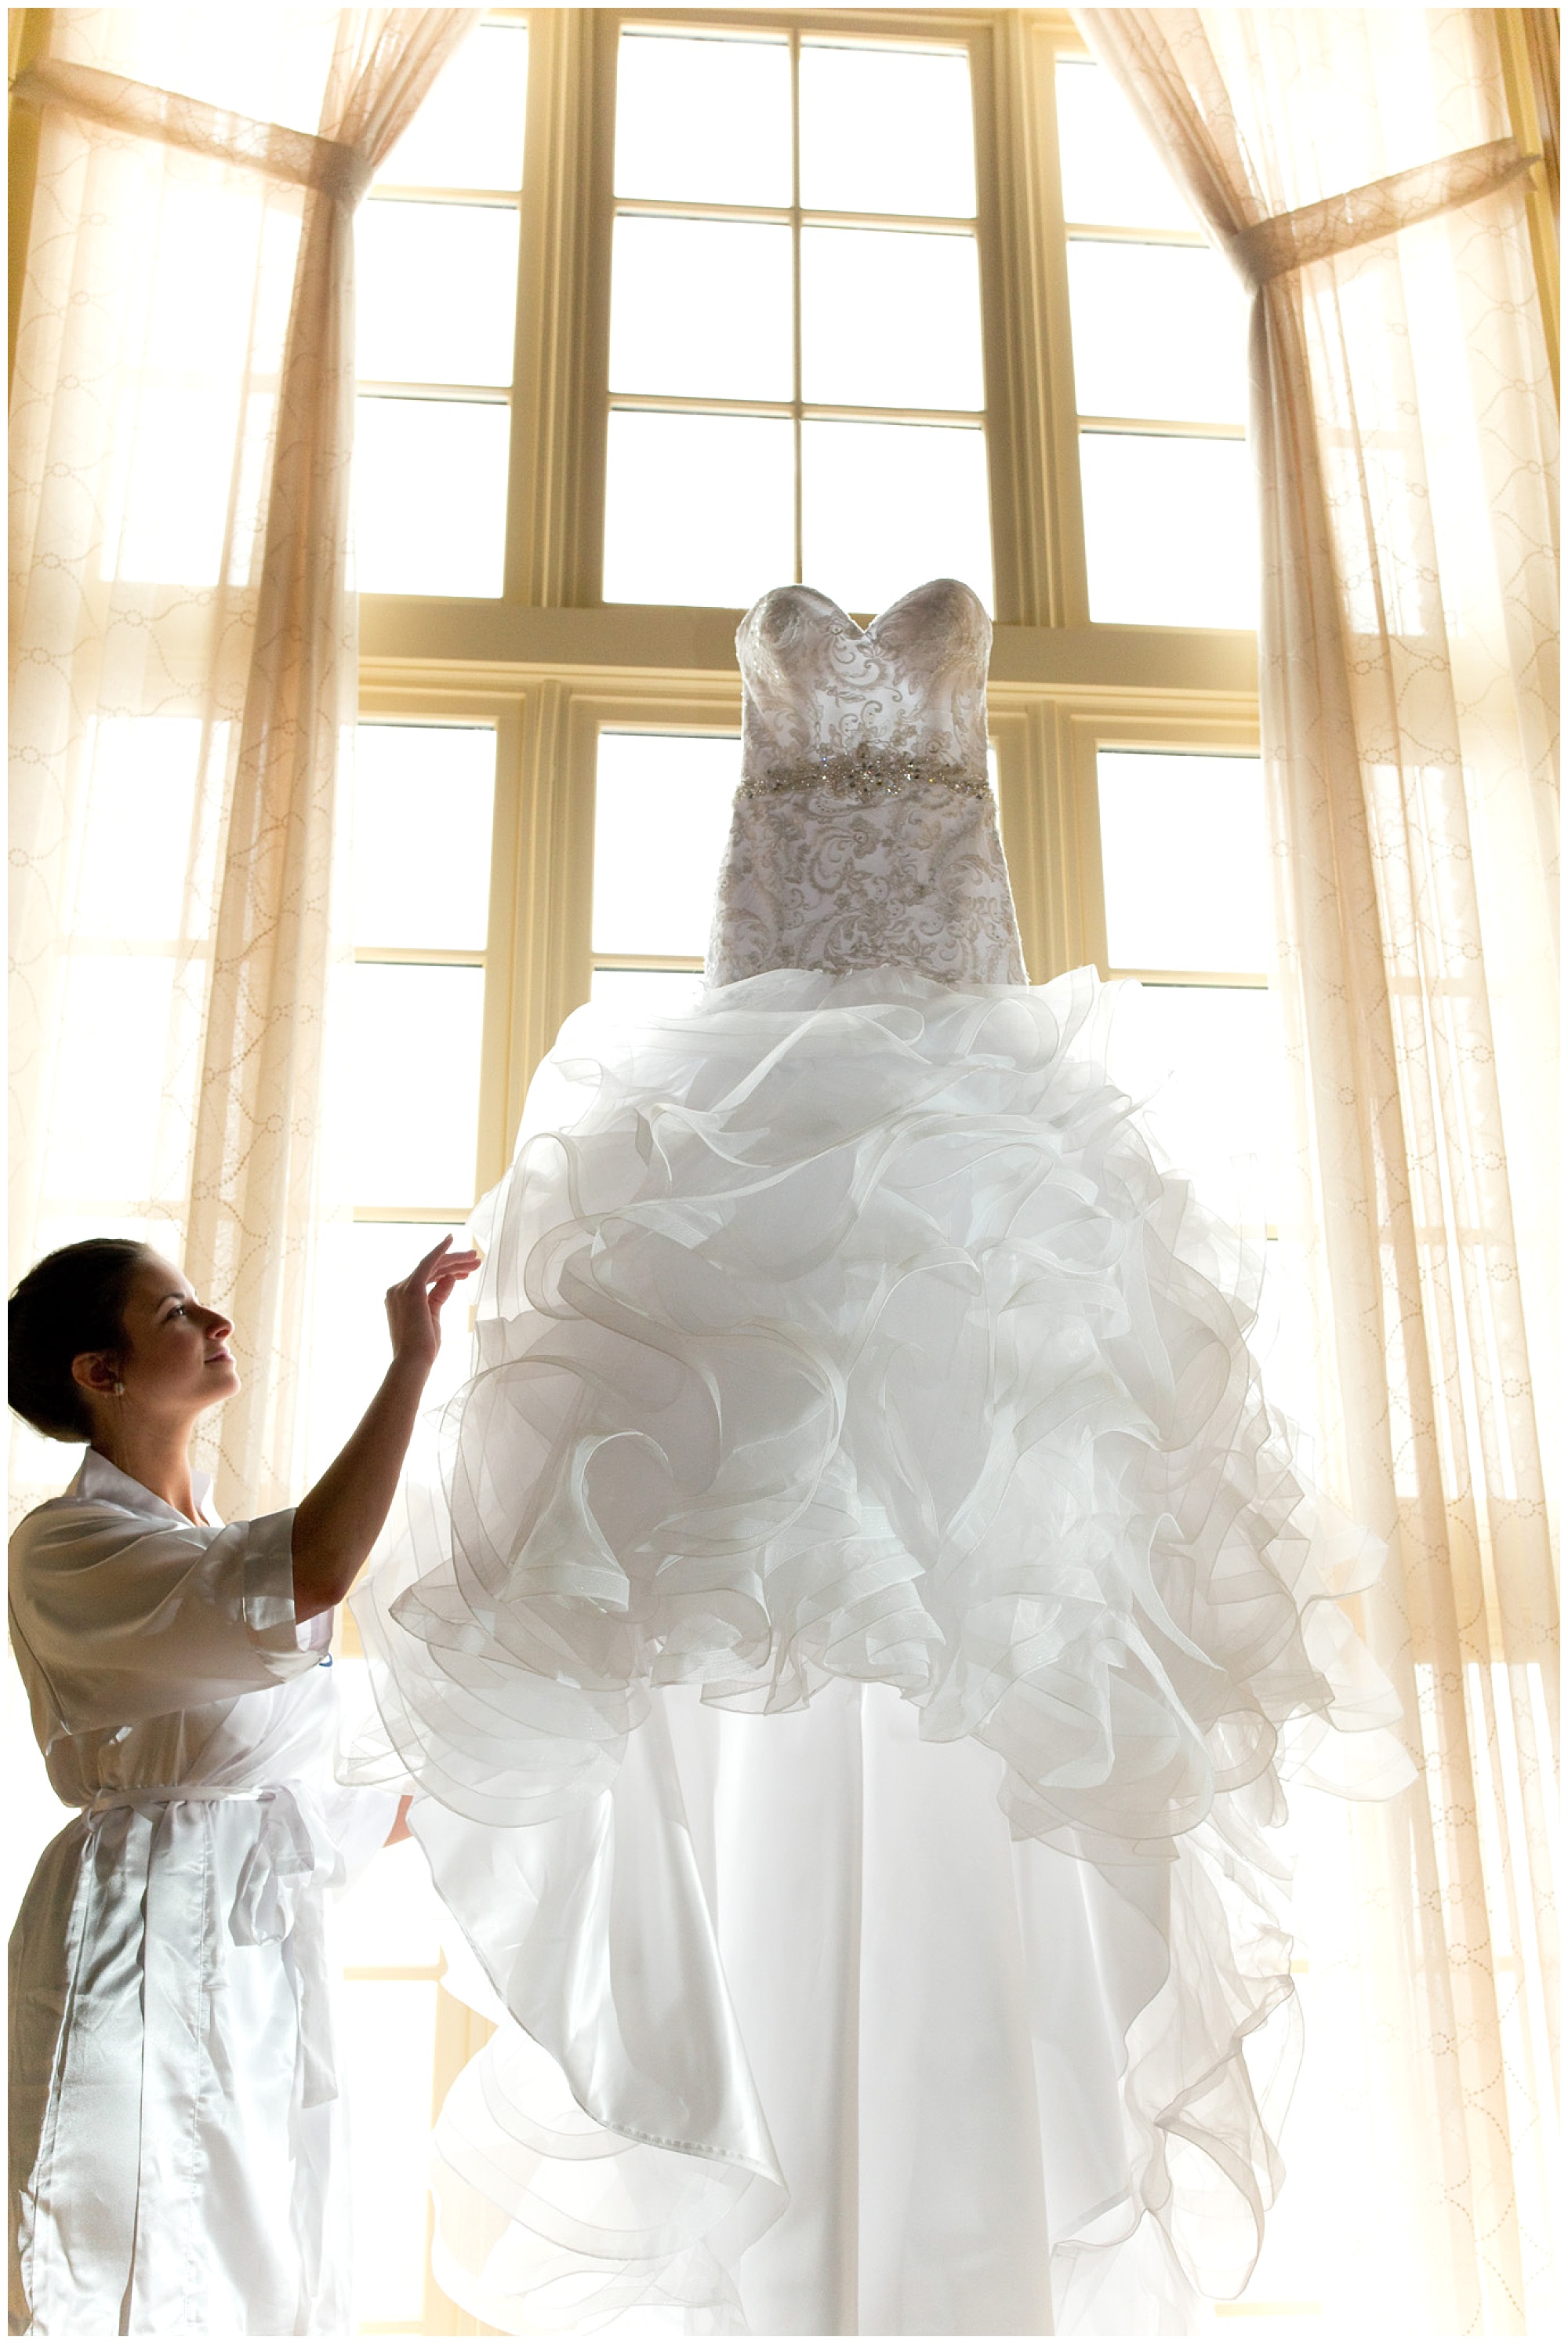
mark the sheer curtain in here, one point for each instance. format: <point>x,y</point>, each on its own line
<point>1357,165</point>
<point>183,649</point>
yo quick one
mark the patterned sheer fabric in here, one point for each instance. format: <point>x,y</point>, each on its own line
<point>1406,437</point>
<point>184,653</point>
<point>864,832</point>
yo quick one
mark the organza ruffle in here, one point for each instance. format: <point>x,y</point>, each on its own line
<point>846,1329</point>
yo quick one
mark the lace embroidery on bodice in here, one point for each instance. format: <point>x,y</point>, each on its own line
<point>864,832</point>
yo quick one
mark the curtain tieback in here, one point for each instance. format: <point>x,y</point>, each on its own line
<point>1338,224</point>
<point>299,158</point>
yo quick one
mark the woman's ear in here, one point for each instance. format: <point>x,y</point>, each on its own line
<point>97,1373</point>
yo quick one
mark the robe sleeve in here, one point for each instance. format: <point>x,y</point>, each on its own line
<point>127,1617</point>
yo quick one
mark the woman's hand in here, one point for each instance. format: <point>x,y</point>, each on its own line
<point>414,1304</point>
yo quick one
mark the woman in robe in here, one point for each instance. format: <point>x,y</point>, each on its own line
<point>177,2130</point>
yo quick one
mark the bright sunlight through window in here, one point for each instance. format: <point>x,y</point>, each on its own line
<point>662,815</point>
<point>436,254</point>
<point>796,385</point>
<point>1159,359</point>
<point>1185,864</point>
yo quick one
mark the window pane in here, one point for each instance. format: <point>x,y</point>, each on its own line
<point>886,130</point>
<point>469,132</point>
<point>387,2035</point>
<point>1157,331</point>
<point>702,308</point>
<point>1111,174</point>
<point>391,1916</point>
<point>1207,1063</point>
<point>430,496</point>
<point>888,505</point>
<point>357,1261</point>
<point>434,292</point>
<point>1170,531</point>
<point>634,993</point>
<point>423,796</point>
<point>1185,861</point>
<point>661,818</point>
<point>699,509</point>
<point>416,1085</point>
<point>705,119</point>
<point>858,289</point>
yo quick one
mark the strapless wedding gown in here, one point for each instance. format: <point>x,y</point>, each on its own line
<point>850,1651</point>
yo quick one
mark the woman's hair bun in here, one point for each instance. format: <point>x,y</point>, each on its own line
<point>72,1301</point>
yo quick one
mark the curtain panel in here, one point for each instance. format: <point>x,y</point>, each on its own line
<point>183,652</point>
<point>1357,166</point>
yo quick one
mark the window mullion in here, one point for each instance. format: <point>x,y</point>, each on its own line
<point>555,507</point>
<point>468,394</point>
<point>773,215</point>
<point>674,402</point>
<point>1140,427</point>
<point>1107,232</point>
<point>795,301</point>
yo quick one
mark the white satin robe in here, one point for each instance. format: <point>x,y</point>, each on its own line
<point>176,2137</point>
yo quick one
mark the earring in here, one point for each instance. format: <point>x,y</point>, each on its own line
<point>118,1388</point>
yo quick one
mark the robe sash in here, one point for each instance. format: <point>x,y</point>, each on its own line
<point>277,1901</point>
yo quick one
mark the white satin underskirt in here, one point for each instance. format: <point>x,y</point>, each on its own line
<point>849,1659</point>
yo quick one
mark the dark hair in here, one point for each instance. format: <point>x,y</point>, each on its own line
<point>71,1301</point>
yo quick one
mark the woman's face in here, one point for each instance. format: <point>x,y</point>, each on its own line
<point>176,1361</point>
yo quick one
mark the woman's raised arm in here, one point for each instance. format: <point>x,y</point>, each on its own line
<point>337,1522</point>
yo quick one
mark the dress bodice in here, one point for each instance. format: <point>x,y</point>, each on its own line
<point>864,832</point>
<point>821,692</point>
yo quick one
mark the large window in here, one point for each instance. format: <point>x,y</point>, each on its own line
<point>852,296</point>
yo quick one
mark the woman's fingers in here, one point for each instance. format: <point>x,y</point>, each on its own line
<point>433,1263</point>
<point>432,1266</point>
<point>455,1266</point>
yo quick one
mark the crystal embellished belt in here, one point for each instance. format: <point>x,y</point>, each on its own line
<point>864,775</point>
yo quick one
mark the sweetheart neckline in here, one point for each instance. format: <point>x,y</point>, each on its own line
<point>852,626</point>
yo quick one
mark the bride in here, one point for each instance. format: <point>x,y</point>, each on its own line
<point>852,1651</point>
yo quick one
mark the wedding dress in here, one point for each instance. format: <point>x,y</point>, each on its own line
<point>851,1648</point>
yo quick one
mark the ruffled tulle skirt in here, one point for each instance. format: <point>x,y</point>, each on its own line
<point>849,1653</point>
